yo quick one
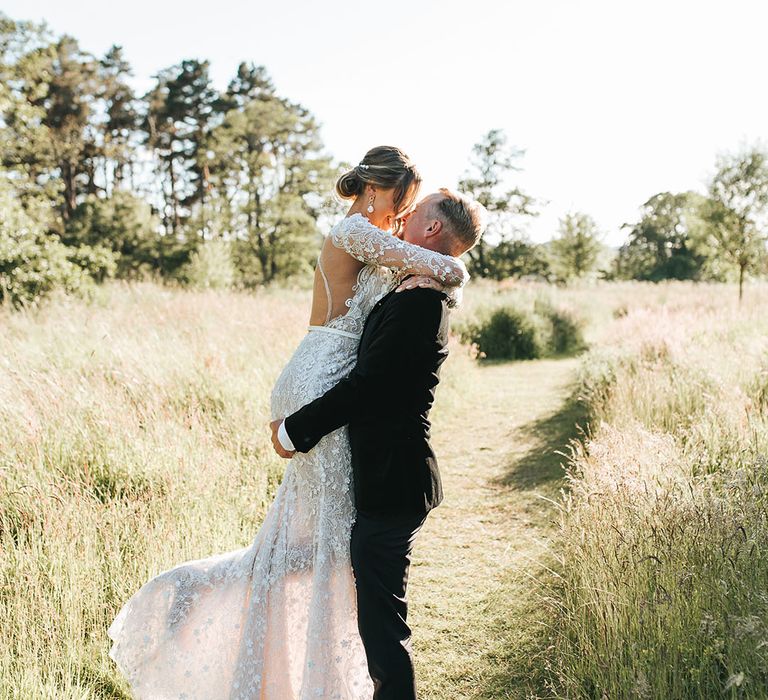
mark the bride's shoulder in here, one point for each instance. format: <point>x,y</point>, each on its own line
<point>356,219</point>
<point>355,225</point>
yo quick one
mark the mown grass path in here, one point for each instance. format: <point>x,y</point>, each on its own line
<point>472,605</point>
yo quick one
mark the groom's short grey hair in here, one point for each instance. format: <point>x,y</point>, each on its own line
<point>463,218</point>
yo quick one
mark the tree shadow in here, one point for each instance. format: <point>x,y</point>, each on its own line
<point>522,665</point>
<point>549,437</point>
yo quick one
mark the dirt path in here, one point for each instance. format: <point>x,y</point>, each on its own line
<point>472,607</point>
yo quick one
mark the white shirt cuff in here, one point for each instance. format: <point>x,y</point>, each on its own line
<point>285,441</point>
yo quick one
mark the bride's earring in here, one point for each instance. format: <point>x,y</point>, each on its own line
<point>370,204</point>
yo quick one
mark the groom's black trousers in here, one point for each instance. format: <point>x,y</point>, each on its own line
<point>381,556</point>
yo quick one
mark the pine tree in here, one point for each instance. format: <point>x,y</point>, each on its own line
<point>252,82</point>
<point>50,94</point>
<point>268,165</point>
<point>121,116</point>
<point>181,109</point>
<point>67,93</point>
<point>492,163</point>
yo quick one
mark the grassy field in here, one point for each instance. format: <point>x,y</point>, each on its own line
<point>133,436</point>
<point>662,547</point>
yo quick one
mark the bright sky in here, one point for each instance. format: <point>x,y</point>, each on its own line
<point>612,100</point>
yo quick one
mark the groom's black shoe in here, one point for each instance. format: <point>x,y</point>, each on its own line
<point>381,556</point>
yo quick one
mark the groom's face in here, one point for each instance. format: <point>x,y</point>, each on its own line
<point>417,223</point>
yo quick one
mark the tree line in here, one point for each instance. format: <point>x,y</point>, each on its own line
<point>99,181</point>
<point>685,235</point>
<point>232,187</point>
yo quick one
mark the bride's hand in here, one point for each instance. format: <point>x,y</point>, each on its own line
<point>421,281</point>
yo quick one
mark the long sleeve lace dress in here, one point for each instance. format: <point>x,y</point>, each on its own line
<point>276,620</point>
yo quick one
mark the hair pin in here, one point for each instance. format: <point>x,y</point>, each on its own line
<point>363,166</point>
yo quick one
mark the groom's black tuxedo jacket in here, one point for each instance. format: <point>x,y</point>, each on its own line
<point>385,400</point>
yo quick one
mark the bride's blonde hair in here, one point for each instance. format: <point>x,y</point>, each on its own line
<point>386,167</point>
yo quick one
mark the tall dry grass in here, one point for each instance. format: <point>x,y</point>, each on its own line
<point>661,589</point>
<point>133,436</point>
<point>599,302</point>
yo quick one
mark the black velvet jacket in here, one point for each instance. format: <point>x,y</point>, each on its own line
<point>385,400</point>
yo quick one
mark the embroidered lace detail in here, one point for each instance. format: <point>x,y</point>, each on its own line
<point>276,620</point>
<point>369,244</point>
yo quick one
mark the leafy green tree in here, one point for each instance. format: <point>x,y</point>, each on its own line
<point>267,164</point>
<point>33,263</point>
<point>125,226</point>
<point>516,257</point>
<point>491,164</point>
<point>26,143</point>
<point>575,250</point>
<point>666,243</point>
<point>736,210</point>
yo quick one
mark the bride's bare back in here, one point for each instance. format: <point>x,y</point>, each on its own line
<point>355,242</point>
<point>335,277</point>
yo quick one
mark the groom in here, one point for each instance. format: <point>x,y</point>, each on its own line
<point>385,400</point>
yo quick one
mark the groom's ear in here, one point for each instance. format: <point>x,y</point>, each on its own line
<point>434,228</point>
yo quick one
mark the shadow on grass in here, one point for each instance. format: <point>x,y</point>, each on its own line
<point>521,659</point>
<point>549,437</point>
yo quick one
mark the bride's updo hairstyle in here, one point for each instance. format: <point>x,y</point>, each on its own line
<point>386,167</point>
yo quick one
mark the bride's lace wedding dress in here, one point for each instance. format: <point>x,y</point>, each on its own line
<point>277,620</point>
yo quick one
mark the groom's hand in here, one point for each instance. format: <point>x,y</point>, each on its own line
<point>285,454</point>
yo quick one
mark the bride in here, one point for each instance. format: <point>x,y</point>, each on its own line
<point>277,620</point>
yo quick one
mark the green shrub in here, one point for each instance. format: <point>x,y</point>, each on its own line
<point>567,333</point>
<point>98,261</point>
<point>209,267</point>
<point>564,329</point>
<point>512,333</point>
<point>122,226</point>
<point>32,262</point>
<point>508,333</point>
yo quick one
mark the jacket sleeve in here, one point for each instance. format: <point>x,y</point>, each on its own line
<point>405,339</point>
